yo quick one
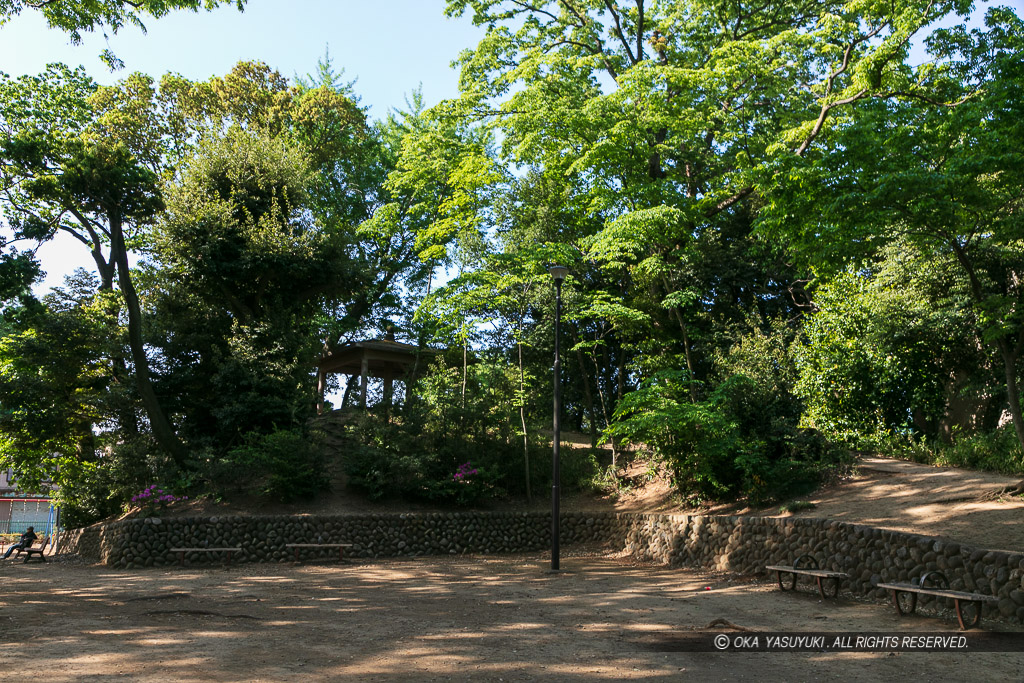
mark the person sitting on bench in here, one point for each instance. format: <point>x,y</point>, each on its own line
<point>27,539</point>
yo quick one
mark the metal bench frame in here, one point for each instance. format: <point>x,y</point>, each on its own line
<point>820,575</point>
<point>938,589</point>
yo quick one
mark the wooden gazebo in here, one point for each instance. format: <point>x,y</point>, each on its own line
<point>385,359</point>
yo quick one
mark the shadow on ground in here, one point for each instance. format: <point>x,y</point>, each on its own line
<point>470,618</point>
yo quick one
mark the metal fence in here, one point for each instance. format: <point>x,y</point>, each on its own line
<point>41,526</point>
<point>16,516</point>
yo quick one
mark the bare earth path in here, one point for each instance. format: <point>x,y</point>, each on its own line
<point>496,618</point>
<point>435,619</point>
<point>935,501</point>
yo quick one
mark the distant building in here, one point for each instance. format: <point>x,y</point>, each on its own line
<point>20,510</point>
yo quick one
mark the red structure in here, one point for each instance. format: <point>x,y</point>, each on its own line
<point>20,510</point>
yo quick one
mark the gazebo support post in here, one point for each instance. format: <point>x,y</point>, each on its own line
<point>364,370</point>
<point>321,387</point>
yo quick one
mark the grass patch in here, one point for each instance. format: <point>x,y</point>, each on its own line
<point>797,506</point>
<point>993,452</point>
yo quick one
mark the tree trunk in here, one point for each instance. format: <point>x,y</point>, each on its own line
<point>126,415</point>
<point>465,366</point>
<point>588,396</point>
<point>608,376</point>
<point>686,343</point>
<point>1009,354</point>
<point>348,390</point>
<point>620,379</point>
<point>522,417</point>
<point>604,410</point>
<point>118,368</point>
<point>163,431</point>
<point>85,449</point>
<point>364,371</point>
<point>1010,357</point>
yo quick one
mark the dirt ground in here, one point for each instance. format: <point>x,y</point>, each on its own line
<point>935,501</point>
<point>506,618</point>
<point>436,619</point>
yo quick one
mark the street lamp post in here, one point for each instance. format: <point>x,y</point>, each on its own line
<point>558,273</point>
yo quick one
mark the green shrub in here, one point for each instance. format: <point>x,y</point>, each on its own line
<point>698,441</point>
<point>285,465</point>
<point>579,469</point>
<point>90,492</point>
<point>996,451</point>
<point>733,444</point>
<point>402,455</point>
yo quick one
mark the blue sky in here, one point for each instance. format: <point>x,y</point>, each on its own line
<point>390,47</point>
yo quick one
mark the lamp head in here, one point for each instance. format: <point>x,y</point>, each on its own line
<point>558,272</point>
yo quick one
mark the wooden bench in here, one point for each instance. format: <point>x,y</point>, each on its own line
<point>181,552</point>
<point>939,589</point>
<point>805,565</point>
<point>298,546</point>
<point>33,551</point>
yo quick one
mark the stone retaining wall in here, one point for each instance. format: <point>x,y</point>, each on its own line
<point>739,544</point>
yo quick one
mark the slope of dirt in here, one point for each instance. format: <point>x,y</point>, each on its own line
<point>945,502</point>
<point>935,501</point>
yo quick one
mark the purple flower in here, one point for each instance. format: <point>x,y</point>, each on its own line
<point>463,472</point>
<point>154,494</point>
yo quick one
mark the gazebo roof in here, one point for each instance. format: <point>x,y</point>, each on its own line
<point>384,358</point>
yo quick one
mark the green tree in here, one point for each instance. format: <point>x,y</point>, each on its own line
<point>75,16</point>
<point>892,348</point>
<point>56,385</point>
<point>943,173</point>
<point>663,118</point>
<point>239,273</point>
<point>60,176</point>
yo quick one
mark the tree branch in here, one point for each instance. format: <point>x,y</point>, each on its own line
<point>825,109</point>
<point>639,30</point>
<point>729,201</point>
<point>929,100</point>
<point>532,8</point>
<point>618,31</point>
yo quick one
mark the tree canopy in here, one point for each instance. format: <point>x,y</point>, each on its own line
<point>787,237</point>
<point>76,16</point>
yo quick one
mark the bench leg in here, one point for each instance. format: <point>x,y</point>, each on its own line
<point>792,583</point>
<point>835,587</point>
<point>296,554</point>
<point>181,559</point>
<point>960,615</point>
<point>899,608</point>
<point>229,558</point>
